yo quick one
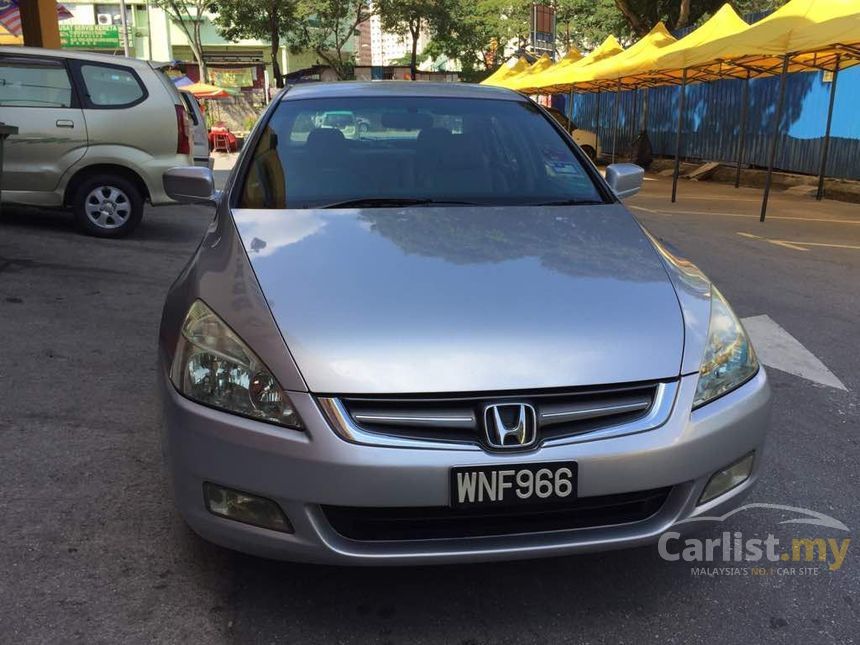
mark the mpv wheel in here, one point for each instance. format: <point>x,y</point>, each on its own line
<point>108,206</point>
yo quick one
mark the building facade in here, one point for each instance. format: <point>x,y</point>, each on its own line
<point>389,48</point>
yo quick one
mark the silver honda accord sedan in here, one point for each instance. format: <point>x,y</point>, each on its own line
<point>422,328</point>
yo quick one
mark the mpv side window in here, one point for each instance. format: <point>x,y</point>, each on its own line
<point>36,83</point>
<point>109,86</point>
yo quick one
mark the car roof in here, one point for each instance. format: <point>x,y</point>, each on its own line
<point>340,89</point>
<point>77,55</point>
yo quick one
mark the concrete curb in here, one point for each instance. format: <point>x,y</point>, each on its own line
<point>843,190</point>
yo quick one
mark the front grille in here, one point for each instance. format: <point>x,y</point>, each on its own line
<point>428,523</point>
<point>460,419</point>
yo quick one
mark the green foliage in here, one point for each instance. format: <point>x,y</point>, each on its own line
<point>414,16</point>
<point>642,15</point>
<point>237,19</point>
<point>746,7</point>
<point>327,27</point>
<point>188,15</point>
<point>586,23</point>
<point>479,31</point>
<point>267,20</point>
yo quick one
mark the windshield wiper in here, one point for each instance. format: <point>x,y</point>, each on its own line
<point>382,202</point>
<point>569,202</point>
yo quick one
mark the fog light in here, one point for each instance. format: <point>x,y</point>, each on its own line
<point>245,508</point>
<point>728,478</point>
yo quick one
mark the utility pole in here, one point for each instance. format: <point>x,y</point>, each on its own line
<point>148,32</point>
<point>124,27</point>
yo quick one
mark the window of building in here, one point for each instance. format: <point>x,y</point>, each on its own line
<point>111,14</point>
<point>34,83</point>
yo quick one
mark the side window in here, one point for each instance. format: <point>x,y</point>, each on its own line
<point>35,83</point>
<point>111,86</point>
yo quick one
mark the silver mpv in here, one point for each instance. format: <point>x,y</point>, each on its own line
<point>440,337</point>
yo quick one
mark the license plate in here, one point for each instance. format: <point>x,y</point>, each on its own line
<point>513,484</point>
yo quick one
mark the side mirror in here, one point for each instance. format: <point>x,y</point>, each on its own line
<point>189,184</point>
<point>625,179</point>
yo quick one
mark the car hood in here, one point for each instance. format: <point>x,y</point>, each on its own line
<point>461,299</point>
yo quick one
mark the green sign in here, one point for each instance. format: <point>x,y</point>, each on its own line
<point>90,36</point>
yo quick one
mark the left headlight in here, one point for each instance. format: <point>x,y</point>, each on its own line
<point>214,367</point>
<point>729,359</point>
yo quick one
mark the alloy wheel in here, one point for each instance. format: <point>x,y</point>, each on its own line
<point>107,207</point>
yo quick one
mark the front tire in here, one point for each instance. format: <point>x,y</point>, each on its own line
<point>107,206</point>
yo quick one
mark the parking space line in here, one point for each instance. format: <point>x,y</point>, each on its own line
<point>784,243</point>
<point>853,247</point>
<point>799,245</point>
<point>779,349</point>
<point>788,245</point>
<point>746,216</point>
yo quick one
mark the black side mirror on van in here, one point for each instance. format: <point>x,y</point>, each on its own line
<point>190,185</point>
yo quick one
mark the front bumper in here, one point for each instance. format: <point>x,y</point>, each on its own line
<point>303,471</point>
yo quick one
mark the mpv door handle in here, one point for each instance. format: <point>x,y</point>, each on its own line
<point>65,123</point>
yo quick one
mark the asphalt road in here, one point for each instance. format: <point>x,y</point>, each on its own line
<point>91,549</point>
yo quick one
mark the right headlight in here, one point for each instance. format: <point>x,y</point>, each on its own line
<point>729,359</point>
<point>213,366</point>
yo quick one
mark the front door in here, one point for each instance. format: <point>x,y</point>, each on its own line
<point>36,96</point>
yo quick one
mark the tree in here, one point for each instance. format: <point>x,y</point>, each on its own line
<point>180,12</point>
<point>266,20</point>
<point>586,23</point>
<point>744,7</point>
<point>478,32</point>
<point>643,15</point>
<point>326,27</point>
<point>414,15</point>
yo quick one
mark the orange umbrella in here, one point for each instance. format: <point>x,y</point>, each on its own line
<point>206,91</point>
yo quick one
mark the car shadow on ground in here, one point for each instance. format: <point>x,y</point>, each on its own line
<point>158,225</point>
<point>60,221</point>
<point>451,603</point>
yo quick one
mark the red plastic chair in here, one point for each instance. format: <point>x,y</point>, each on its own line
<point>220,142</point>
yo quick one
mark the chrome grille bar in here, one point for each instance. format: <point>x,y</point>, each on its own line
<point>454,423</point>
<point>553,414</point>
<point>417,420</point>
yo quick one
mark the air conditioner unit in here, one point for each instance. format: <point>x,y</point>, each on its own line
<point>104,19</point>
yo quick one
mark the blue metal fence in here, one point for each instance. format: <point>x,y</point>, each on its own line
<point>711,123</point>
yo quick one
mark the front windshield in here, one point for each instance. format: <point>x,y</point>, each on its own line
<point>381,151</point>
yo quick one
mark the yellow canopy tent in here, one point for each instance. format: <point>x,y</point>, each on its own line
<point>606,73</point>
<point>505,71</point>
<point>601,74</point>
<point>803,35</point>
<point>641,68</point>
<point>525,83</point>
<point>664,65</point>
<point>554,80</point>
<point>541,64</point>
<point>572,55</point>
<point>813,34</point>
